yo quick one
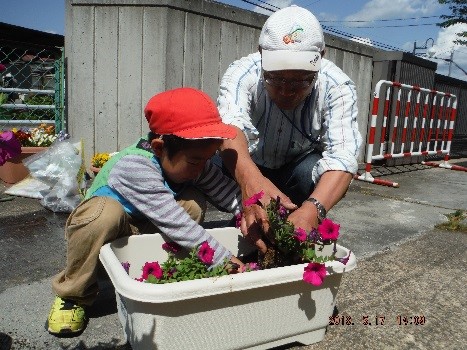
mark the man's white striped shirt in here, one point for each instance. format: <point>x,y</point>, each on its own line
<point>326,120</point>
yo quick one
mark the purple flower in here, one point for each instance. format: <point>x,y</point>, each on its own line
<point>126,267</point>
<point>314,273</point>
<point>314,236</point>
<point>171,247</point>
<point>10,147</point>
<point>205,253</point>
<point>282,211</point>
<point>344,260</point>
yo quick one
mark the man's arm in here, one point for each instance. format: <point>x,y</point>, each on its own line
<point>237,159</point>
<point>341,140</point>
<point>330,189</point>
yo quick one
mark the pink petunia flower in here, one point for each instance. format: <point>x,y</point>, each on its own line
<point>254,199</point>
<point>10,147</point>
<point>171,247</point>
<point>152,268</point>
<point>329,230</point>
<point>248,267</point>
<point>314,273</point>
<point>205,253</point>
<point>300,234</point>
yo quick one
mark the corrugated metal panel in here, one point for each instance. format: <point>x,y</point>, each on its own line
<point>461,120</point>
<point>459,89</point>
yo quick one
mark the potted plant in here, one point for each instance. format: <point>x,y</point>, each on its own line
<point>181,291</point>
<point>32,141</point>
<point>10,147</point>
<point>98,161</point>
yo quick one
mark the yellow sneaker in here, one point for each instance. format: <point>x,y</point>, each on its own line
<point>66,317</point>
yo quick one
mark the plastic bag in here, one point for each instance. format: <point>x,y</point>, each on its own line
<point>28,187</point>
<point>61,167</point>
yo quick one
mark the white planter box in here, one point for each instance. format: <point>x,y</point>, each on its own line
<point>254,310</point>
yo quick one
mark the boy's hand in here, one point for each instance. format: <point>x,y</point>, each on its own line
<point>234,265</point>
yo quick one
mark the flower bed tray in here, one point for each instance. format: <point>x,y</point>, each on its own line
<point>253,310</point>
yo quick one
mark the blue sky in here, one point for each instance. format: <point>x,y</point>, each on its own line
<point>415,22</point>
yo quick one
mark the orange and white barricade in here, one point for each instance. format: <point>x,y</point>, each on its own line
<point>425,128</point>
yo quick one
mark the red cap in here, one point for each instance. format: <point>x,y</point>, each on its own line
<point>186,113</point>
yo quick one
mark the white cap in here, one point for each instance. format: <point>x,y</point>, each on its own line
<point>291,38</point>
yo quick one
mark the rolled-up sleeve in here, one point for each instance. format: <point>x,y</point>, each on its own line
<point>340,137</point>
<point>236,94</point>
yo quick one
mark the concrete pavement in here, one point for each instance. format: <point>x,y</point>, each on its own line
<point>406,267</point>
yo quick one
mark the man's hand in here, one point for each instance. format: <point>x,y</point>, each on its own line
<point>255,221</point>
<point>329,190</point>
<point>237,159</point>
<point>305,217</point>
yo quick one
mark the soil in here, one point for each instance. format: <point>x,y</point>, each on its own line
<point>271,259</point>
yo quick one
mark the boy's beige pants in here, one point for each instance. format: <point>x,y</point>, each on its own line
<point>92,224</point>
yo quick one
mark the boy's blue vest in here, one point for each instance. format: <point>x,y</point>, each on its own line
<point>100,186</point>
<point>142,147</point>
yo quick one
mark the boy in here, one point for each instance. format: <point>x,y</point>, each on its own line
<point>155,184</point>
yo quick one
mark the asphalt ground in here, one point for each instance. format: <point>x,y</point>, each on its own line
<point>408,271</point>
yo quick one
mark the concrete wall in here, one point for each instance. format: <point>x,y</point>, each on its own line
<point>121,52</point>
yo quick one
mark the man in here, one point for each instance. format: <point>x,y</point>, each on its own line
<point>296,115</point>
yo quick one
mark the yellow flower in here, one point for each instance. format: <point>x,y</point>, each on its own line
<point>99,159</point>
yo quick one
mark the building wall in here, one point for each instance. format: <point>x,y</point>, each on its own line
<point>458,88</point>
<point>119,53</point>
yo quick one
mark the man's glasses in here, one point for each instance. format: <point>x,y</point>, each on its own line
<point>293,84</point>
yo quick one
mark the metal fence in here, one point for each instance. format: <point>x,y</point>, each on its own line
<point>32,88</point>
<point>420,125</point>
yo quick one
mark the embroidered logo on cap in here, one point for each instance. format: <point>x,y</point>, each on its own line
<point>313,61</point>
<point>292,36</point>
